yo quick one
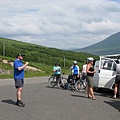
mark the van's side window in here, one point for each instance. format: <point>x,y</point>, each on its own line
<point>108,65</point>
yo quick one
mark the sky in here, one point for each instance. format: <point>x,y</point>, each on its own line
<point>62,24</point>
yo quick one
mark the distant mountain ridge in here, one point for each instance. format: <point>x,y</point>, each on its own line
<point>110,45</point>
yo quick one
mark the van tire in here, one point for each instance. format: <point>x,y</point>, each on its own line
<point>98,89</point>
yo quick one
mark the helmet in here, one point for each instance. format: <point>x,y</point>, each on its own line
<point>74,62</point>
<point>90,59</point>
<point>56,63</point>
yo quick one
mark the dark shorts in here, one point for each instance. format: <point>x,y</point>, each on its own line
<point>19,83</point>
<point>117,79</point>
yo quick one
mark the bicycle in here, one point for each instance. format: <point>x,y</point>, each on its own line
<point>81,84</point>
<point>52,82</point>
<point>72,81</point>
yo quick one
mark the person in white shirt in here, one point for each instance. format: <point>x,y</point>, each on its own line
<point>84,74</point>
<point>84,71</point>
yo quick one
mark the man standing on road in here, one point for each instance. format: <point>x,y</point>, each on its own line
<point>19,78</point>
<point>117,80</point>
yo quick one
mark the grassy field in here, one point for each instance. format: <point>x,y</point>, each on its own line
<point>39,57</point>
<point>46,70</point>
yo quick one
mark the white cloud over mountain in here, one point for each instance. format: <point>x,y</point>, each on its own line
<point>59,23</point>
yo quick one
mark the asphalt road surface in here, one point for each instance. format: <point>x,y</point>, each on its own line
<point>44,103</point>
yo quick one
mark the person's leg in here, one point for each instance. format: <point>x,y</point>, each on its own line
<point>115,90</point>
<point>84,83</point>
<point>117,78</point>
<point>88,92</point>
<point>88,88</point>
<point>90,84</point>
<point>60,80</point>
<point>19,86</point>
<point>56,79</point>
<point>118,90</point>
<point>92,93</point>
<point>19,93</point>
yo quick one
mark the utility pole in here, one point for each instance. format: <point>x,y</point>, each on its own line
<point>3,49</point>
<point>64,61</point>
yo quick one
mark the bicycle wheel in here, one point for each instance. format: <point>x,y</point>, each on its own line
<point>80,87</point>
<point>63,83</point>
<point>52,81</point>
<point>71,85</point>
<point>64,80</point>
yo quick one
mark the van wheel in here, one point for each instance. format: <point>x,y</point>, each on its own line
<point>97,89</point>
<point>100,89</point>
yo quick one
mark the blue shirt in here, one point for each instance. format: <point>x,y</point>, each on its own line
<point>57,69</point>
<point>75,69</point>
<point>18,74</point>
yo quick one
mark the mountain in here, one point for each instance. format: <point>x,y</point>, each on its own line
<point>110,45</point>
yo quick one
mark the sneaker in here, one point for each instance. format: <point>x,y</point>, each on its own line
<point>114,97</point>
<point>20,103</point>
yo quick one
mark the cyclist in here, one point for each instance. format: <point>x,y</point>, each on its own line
<point>75,71</point>
<point>84,74</point>
<point>57,72</point>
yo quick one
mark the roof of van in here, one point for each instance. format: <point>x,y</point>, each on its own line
<point>114,56</point>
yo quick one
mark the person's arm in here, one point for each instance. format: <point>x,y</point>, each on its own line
<point>78,70</point>
<point>83,69</point>
<point>71,67</point>
<point>22,67</point>
<point>87,68</point>
<point>60,69</point>
<point>55,69</point>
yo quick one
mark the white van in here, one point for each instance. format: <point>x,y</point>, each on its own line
<point>106,71</point>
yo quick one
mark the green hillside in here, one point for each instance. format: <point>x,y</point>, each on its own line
<point>110,45</point>
<point>41,57</point>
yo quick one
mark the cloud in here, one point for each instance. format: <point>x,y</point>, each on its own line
<point>61,24</point>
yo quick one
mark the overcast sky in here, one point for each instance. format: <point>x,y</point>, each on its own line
<point>60,24</point>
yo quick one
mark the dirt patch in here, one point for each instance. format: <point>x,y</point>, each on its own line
<point>26,68</point>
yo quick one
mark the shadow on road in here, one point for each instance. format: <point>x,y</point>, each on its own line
<point>115,104</point>
<point>9,102</point>
<point>55,87</point>
<point>104,93</point>
<point>78,96</point>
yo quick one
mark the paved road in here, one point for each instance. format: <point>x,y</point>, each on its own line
<point>44,103</point>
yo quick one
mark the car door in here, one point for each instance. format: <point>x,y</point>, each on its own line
<point>106,73</point>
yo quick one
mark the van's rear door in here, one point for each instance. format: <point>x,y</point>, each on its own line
<point>106,73</point>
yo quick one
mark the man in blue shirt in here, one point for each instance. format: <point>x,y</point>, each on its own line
<point>19,78</point>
